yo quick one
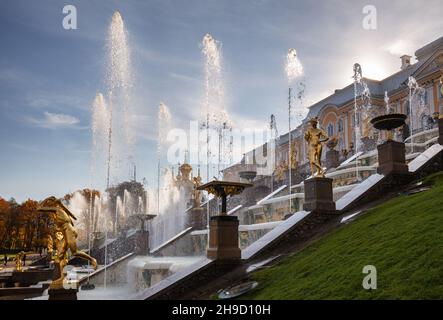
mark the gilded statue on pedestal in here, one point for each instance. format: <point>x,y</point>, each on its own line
<point>197,193</point>
<point>280,170</point>
<point>315,137</point>
<point>366,127</point>
<point>19,261</point>
<point>64,237</point>
<point>293,155</point>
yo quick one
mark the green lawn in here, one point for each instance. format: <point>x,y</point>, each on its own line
<point>402,238</point>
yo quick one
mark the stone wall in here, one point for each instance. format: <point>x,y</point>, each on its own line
<point>116,273</point>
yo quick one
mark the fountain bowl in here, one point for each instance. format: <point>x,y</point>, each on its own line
<point>389,121</point>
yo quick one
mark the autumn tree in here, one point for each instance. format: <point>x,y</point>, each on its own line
<point>5,216</point>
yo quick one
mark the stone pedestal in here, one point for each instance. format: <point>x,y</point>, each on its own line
<point>223,239</point>
<point>391,158</point>
<point>62,294</point>
<point>440,131</point>
<point>318,195</point>
<point>197,218</point>
<point>332,159</point>
<point>142,242</point>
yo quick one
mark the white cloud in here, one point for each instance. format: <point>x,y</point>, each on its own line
<point>400,47</point>
<point>56,121</point>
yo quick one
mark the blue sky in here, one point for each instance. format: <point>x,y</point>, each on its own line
<point>49,76</point>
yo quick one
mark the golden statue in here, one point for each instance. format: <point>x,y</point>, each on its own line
<point>19,261</point>
<point>315,137</point>
<point>293,155</point>
<point>280,170</point>
<point>197,193</point>
<point>366,127</point>
<point>65,237</point>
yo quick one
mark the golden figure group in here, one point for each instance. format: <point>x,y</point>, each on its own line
<point>315,137</point>
<point>63,236</point>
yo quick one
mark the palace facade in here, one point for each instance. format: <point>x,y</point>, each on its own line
<point>336,114</point>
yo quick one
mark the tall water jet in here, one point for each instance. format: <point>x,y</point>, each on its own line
<point>119,84</point>
<point>357,80</point>
<point>387,105</point>
<point>164,125</point>
<point>415,93</point>
<point>294,70</point>
<point>217,117</point>
<point>214,106</point>
<point>273,142</point>
<point>361,91</point>
<point>99,130</point>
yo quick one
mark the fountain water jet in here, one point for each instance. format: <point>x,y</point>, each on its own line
<point>119,84</point>
<point>164,125</point>
<point>364,109</point>
<point>214,106</point>
<point>415,93</point>
<point>294,70</point>
<point>217,117</point>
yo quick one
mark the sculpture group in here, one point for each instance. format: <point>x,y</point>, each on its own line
<point>62,238</point>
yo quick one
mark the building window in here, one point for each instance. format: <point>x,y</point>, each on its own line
<point>340,125</point>
<point>330,129</point>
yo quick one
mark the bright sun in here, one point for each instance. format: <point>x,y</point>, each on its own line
<point>374,68</point>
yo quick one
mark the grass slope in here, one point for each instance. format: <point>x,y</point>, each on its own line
<point>402,238</point>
